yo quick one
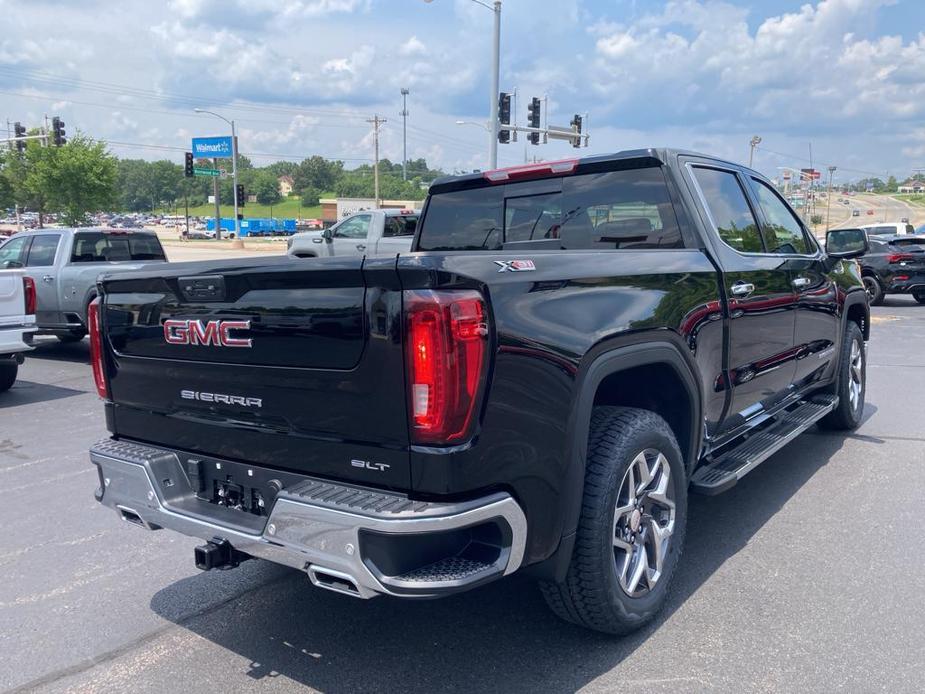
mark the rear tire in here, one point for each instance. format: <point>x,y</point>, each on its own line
<point>851,385</point>
<point>919,297</point>
<point>627,544</point>
<point>8,371</point>
<point>875,294</point>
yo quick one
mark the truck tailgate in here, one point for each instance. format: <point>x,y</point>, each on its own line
<point>280,362</point>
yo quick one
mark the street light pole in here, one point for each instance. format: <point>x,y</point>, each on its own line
<point>493,125</point>
<point>234,177</point>
<point>828,198</point>
<point>495,81</point>
<point>754,142</point>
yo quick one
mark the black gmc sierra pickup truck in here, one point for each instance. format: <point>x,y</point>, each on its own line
<point>569,349</point>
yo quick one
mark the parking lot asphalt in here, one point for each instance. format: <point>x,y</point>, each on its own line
<point>809,575</point>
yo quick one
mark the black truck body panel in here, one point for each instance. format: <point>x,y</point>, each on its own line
<point>328,363</point>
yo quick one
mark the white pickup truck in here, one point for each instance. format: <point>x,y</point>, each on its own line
<point>17,323</point>
<point>372,232</point>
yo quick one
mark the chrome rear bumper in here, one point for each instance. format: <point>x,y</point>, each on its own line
<point>346,538</point>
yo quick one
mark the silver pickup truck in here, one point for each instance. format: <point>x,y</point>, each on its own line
<point>64,264</point>
<point>372,232</point>
<point>17,323</point>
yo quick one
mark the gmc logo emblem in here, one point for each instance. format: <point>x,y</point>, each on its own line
<point>215,333</point>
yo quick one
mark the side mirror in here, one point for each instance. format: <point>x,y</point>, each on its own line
<point>846,243</point>
<point>328,234</point>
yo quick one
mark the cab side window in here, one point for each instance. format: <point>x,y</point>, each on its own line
<point>354,228</point>
<point>729,208</point>
<point>783,232</point>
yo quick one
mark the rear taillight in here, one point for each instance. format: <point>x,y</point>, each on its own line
<point>28,290</point>
<point>446,350</point>
<point>899,258</point>
<point>96,348</point>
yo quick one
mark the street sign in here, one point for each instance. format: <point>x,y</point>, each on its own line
<point>207,172</point>
<point>218,147</point>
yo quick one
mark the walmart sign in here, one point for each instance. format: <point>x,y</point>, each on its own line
<point>212,147</point>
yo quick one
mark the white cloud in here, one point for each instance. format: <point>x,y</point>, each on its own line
<point>412,46</point>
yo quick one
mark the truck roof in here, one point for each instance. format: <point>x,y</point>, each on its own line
<point>632,158</point>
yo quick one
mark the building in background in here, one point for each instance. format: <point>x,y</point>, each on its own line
<point>335,209</point>
<point>285,185</point>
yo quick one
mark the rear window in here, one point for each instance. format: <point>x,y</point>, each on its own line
<point>605,211</point>
<point>100,247</point>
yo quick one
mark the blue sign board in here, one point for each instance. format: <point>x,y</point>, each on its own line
<point>212,147</point>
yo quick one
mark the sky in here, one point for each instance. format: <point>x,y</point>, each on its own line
<point>838,82</point>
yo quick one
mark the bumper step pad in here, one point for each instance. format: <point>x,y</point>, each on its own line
<point>732,465</point>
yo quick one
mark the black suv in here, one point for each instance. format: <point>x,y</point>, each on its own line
<point>569,349</point>
<point>894,265</point>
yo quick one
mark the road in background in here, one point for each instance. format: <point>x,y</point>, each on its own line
<point>805,577</point>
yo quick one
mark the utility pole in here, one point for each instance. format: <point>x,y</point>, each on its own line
<point>828,198</point>
<point>218,213</point>
<point>754,142</point>
<point>376,121</point>
<point>404,136</point>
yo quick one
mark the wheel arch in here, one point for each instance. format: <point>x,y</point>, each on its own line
<point>857,311</point>
<point>604,371</point>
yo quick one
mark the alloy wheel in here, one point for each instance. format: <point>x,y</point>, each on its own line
<point>643,522</point>
<point>856,374</point>
<point>870,286</point>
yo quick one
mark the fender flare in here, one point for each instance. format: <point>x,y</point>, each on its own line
<point>606,362</point>
<point>853,298</point>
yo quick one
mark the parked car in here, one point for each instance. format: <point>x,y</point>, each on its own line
<point>895,264</point>
<point>569,349</point>
<point>64,263</point>
<point>372,232</point>
<point>889,229</point>
<point>17,323</point>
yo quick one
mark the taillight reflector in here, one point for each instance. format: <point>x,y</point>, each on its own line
<point>446,348</point>
<point>96,348</point>
<point>28,290</point>
<point>546,168</point>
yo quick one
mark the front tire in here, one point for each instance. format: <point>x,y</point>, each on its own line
<point>874,289</point>
<point>8,371</point>
<point>632,524</point>
<point>71,337</point>
<point>851,386</point>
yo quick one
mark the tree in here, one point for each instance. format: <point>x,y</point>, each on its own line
<point>266,187</point>
<point>77,179</point>
<point>891,185</point>
<point>21,173</point>
<point>317,172</point>
<point>310,197</point>
<point>283,168</point>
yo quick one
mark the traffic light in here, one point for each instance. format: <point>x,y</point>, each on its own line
<point>504,116</point>
<point>533,119</point>
<point>57,129</point>
<point>240,195</point>
<point>576,126</point>
<point>19,130</point>
<point>188,165</point>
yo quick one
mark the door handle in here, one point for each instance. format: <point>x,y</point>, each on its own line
<point>361,247</point>
<point>801,282</point>
<point>742,288</point>
<point>48,278</point>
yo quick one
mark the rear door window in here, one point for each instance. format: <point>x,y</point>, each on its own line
<point>613,210</point>
<point>398,226</point>
<point>104,247</point>
<point>726,202</point>
<point>43,249</point>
